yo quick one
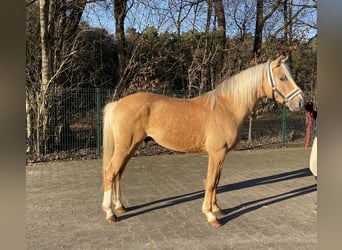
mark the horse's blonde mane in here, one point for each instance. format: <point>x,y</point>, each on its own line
<point>242,86</point>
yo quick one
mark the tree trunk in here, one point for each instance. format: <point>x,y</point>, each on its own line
<point>221,39</point>
<point>259,25</point>
<point>120,14</point>
<point>42,116</point>
<point>44,39</point>
<point>204,69</point>
<point>28,125</point>
<point>287,12</point>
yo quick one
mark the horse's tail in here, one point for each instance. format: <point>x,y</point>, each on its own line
<point>108,135</point>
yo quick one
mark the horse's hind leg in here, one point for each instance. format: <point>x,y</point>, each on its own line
<point>125,152</point>
<point>117,162</point>
<point>107,186</point>
<point>119,207</point>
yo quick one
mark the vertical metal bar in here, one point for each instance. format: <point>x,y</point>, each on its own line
<point>98,123</point>
<point>250,129</point>
<point>283,141</point>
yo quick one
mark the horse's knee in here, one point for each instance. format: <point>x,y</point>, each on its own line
<point>209,183</point>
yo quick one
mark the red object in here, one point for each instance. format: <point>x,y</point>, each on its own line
<point>308,130</point>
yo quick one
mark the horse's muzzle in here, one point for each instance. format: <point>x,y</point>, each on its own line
<point>296,104</point>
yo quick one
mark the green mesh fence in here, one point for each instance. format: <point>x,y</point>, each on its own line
<point>76,126</point>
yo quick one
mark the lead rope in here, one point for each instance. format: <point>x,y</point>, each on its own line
<point>308,130</point>
<point>312,114</point>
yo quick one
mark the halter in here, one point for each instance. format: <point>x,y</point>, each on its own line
<point>296,91</point>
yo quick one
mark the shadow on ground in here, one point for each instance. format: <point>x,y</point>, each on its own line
<point>233,212</point>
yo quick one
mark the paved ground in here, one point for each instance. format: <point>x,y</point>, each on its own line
<point>268,196</point>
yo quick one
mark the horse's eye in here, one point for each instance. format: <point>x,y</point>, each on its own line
<point>283,78</point>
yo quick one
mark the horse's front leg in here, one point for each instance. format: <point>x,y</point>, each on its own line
<point>215,207</point>
<point>209,204</point>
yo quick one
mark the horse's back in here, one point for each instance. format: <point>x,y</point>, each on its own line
<point>154,103</point>
<point>148,98</point>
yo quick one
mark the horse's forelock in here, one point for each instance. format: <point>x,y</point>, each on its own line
<point>288,73</point>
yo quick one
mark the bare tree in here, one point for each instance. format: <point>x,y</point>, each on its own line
<point>179,11</point>
<point>45,73</point>
<point>120,15</point>
<point>58,25</point>
<point>208,57</point>
<point>293,16</point>
<point>260,22</point>
<point>240,20</point>
<point>221,39</point>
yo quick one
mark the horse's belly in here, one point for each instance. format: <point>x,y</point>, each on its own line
<point>179,140</point>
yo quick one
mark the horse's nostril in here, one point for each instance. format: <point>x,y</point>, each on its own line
<point>301,103</point>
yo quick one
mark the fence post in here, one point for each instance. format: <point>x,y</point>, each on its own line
<point>250,128</point>
<point>98,123</point>
<point>283,140</point>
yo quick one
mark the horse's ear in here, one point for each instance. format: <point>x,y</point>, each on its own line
<point>281,59</point>
<point>284,59</point>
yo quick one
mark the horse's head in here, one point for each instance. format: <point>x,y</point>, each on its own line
<point>282,87</point>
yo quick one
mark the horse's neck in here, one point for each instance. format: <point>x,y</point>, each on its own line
<point>243,112</point>
<point>240,112</point>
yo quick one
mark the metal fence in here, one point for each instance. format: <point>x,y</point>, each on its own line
<point>77,123</point>
<point>80,129</point>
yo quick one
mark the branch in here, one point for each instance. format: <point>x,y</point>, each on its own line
<point>60,68</point>
<point>275,7</point>
<point>291,21</point>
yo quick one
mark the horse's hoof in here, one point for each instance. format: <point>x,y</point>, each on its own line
<point>112,219</point>
<point>120,210</point>
<point>215,223</point>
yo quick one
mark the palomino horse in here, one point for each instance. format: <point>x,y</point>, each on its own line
<point>210,123</point>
